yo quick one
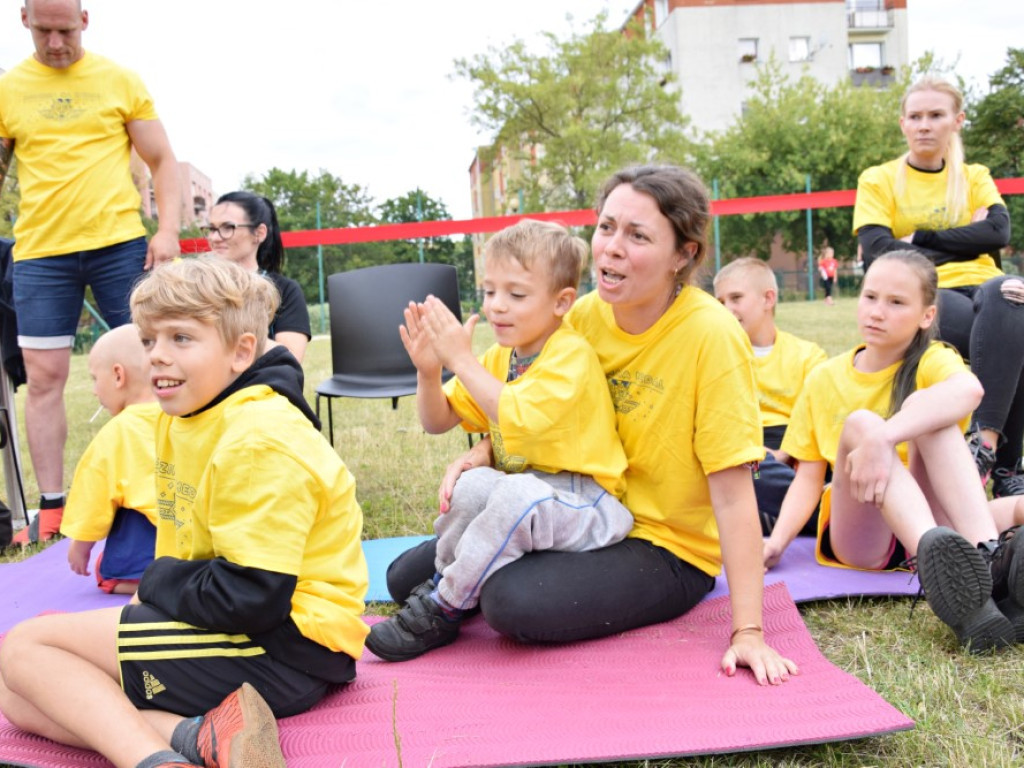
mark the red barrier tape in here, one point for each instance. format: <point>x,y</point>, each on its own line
<point>739,205</point>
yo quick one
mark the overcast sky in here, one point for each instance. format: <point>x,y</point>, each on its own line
<point>363,89</point>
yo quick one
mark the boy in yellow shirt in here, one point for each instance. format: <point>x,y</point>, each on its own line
<point>113,493</point>
<point>257,613</point>
<point>748,288</point>
<point>541,394</point>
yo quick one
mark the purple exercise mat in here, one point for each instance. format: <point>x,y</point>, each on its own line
<point>45,582</point>
<point>808,581</point>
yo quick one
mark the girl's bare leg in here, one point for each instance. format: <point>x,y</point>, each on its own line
<point>1007,511</point>
<point>861,533</point>
<point>942,464</point>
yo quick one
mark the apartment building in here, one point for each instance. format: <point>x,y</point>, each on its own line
<point>714,46</point>
<point>196,192</point>
<point>494,182</point>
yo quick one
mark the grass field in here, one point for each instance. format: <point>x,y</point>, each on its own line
<point>969,710</point>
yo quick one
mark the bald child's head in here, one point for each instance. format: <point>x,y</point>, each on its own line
<point>119,367</point>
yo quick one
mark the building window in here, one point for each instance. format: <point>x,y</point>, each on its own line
<point>865,57</point>
<point>666,69</point>
<point>799,48</point>
<point>748,49</point>
<point>660,12</point>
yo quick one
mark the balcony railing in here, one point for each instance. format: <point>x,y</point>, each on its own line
<point>877,77</point>
<point>870,20</point>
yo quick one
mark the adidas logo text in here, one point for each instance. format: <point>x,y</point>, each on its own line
<point>152,685</point>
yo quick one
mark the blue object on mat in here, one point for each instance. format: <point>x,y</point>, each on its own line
<point>379,554</point>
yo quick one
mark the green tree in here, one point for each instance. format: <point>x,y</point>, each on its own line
<point>418,206</point>
<point>792,129</point>
<point>594,102</point>
<point>994,135</point>
<point>296,196</point>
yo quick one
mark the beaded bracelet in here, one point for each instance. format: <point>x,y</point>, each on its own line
<point>744,628</point>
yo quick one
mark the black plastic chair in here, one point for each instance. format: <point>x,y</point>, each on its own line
<point>366,307</point>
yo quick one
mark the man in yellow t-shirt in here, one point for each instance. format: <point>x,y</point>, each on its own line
<point>71,118</point>
<point>747,287</point>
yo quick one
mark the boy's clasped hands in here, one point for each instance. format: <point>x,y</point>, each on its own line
<point>434,337</point>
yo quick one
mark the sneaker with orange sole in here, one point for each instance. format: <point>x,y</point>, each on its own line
<point>240,732</point>
<point>44,526</point>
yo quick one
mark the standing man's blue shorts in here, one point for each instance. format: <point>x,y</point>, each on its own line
<point>49,291</point>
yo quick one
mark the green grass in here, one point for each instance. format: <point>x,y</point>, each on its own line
<point>833,327</point>
<point>969,710</point>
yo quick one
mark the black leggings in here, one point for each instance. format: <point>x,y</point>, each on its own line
<point>988,331</point>
<point>557,597</point>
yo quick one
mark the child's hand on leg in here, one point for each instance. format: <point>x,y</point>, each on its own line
<point>868,466</point>
<point>477,456</point>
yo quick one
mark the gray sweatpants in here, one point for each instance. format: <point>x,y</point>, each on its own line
<point>496,517</point>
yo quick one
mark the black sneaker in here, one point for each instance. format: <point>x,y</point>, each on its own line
<point>983,453</point>
<point>957,584</point>
<point>419,626</point>
<point>1008,482</point>
<point>1007,563</point>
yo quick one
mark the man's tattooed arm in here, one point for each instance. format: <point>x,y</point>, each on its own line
<point>6,155</point>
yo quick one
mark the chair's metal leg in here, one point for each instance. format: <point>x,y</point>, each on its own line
<point>11,460</point>
<point>330,419</point>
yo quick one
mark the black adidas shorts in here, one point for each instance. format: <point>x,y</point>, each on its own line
<point>173,666</point>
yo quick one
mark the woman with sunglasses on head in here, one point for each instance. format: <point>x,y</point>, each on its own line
<point>243,228</point>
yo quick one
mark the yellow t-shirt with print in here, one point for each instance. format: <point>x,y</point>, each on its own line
<point>250,480</point>
<point>556,417</point>
<point>73,151</point>
<point>781,374</point>
<point>835,389</point>
<point>115,471</point>
<point>686,406</point>
<point>921,205</point>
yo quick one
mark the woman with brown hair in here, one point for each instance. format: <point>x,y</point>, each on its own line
<point>680,372</point>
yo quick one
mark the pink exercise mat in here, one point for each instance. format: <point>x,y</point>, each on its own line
<point>487,701</point>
